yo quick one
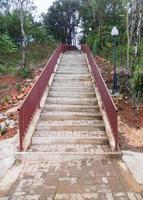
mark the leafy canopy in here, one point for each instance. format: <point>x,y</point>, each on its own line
<point>62,19</point>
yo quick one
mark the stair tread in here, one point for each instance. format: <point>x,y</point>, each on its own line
<point>71,122</point>
<point>69,137</point>
<point>71,106</point>
<point>91,148</point>
<point>62,140</point>
<point>70,133</point>
<point>72,99</point>
<point>48,113</point>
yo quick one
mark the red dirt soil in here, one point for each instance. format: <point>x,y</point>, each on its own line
<point>12,92</point>
<point>130,115</point>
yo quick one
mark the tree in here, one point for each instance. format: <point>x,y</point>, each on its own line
<point>136,12</point>
<point>22,7</point>
<point>38,33</point>
<point>62,19</point>
<point>98,18</point>
<point>7,45</point>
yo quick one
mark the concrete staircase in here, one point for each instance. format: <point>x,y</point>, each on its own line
<point>71,125</point>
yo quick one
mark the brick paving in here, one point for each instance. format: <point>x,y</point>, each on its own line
<point>85,179</point>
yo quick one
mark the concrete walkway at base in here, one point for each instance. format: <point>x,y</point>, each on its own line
<point>87,179</point>
<point>70,157</point>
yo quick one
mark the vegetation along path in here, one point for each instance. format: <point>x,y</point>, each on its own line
<point>70,156</point>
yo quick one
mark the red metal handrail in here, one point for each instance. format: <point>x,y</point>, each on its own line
<point>28,107</point>
<point>108,103</point>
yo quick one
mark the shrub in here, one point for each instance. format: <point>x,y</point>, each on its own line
<point>6,99</point>
<point>124,77</point>
<point>137,84</point>
<point>6,69</point>
<point>24,72</point>
<point>7,45</point>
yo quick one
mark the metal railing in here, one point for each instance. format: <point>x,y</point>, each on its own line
<point>109,106</point>
<point>32,101</point>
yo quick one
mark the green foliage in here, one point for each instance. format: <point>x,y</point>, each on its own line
<point>39,34</point>
<point>7,69</point>
<point>96,45</point>
<point>10,23</point>
<point>18,87</point>
<point>24,72</point>
<point>98,19</point>
<point>7,45</point>
<point>3,131</point>
<point>36,52</point>
<point>62,19</point>
<point>6,99</point>
<point>137,84</point>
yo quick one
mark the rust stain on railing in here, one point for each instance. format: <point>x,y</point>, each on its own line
<point>27,109</point>
<point>107,101</point>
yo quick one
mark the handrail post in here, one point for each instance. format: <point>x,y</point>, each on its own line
<point>20,130</point>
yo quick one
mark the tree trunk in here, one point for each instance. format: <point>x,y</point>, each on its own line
<point>23,34</point>
<point>128,37</point>
<point>139,26</point>
<point>135,29</point>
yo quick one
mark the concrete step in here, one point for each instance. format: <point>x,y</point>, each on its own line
<point>71,84</point>
<point>72,72</point>
<point>68,140</point>
<point>70,76</point>
<point>73,63</point>
<point>69,125</point>
<point>80,72</point>
<point>75,148</point>
<point>72,101</point>
<point>65,156</point>
<point>70,116</point>
<point>72,79</point>
<point>61,88</point>
<point>73,67</point>
<point>72,122</point>
<point>66,134</point>
<point>71,94</point>
<point>70,108</point>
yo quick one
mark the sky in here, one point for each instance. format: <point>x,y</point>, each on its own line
<point>43,5</point>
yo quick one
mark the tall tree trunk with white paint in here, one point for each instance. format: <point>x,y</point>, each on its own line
<point>135,29</point>
<point>128,36</point>
<point>23,34</point>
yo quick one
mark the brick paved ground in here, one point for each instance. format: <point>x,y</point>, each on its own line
<point>87,179</point>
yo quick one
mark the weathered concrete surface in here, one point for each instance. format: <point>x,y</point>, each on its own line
<point>134,161</point>
<point>8,148</point>
<point>10,178</point>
